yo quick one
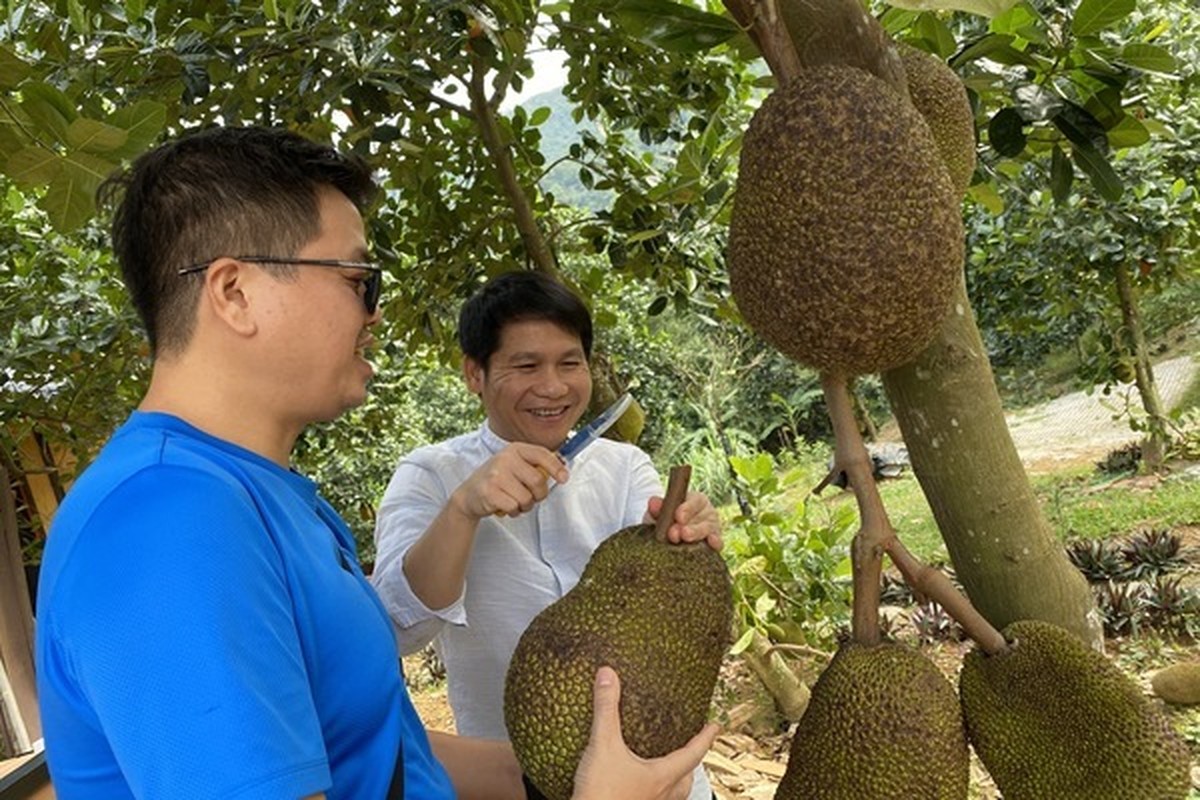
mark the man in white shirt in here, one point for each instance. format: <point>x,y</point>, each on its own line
<point>472,539</point>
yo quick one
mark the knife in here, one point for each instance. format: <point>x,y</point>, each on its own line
<point>593,430</point>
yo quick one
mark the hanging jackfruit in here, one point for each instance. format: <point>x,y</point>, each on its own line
<point>1052,719</point>
<point>846,237</point>
<point>883,722</point>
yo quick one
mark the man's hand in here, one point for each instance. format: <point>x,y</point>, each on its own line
<point>695,520</point>
<point>611,771</point>
<point>509,483</point>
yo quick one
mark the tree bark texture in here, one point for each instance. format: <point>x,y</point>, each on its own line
<point>1004,552</point>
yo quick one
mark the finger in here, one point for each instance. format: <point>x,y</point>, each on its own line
<point>548,463</point>
<point>606,702</point>
<point>684,761</point>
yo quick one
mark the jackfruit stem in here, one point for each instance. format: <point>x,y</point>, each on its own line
<point>876,536</point>
<point>760,20</point>
<point>677,489</point>
<point>794,35</point>
<point>867,548</point>
<point>937,587</point>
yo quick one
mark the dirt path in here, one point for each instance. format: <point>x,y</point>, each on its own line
<point>1081,427</point>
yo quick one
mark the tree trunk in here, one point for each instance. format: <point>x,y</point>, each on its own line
<point>1154,447</point>
<point>1004,553</point>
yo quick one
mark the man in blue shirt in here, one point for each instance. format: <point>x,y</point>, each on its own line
<point>204,628</point>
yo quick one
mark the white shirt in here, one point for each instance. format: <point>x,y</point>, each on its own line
<point>518,566</point>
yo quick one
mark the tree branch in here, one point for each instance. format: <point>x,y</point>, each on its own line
<point>485,117</point>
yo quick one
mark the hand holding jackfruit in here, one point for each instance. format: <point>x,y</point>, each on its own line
<point>659,614</point>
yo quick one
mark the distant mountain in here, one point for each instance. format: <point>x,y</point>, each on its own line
<point>559,132</point>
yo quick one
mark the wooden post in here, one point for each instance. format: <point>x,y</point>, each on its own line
<point>16,618</point>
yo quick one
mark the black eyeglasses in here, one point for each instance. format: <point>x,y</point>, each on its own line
<point>372,286</point>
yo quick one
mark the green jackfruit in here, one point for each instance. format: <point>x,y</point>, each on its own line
<point>1052,719</point>
<point>846,237</point>
<point>660,615</point>
<point>940,96</point>
<point>883,722</point>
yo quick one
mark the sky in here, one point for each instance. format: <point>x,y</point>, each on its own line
<point>548,73</point>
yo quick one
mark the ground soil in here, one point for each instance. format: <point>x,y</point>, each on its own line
<point>751,754</point>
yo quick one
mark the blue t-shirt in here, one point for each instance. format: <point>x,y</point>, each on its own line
<point>204,631</point>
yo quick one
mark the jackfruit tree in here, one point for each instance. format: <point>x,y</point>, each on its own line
<point>88,83</point>
<point>1048,716</point>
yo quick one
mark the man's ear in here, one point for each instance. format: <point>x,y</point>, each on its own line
<point>474,374</point>
<point>228,286</point>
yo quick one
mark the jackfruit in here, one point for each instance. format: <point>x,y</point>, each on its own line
<point>883,722</point>
<point>1052,719</point>
<point>937,92</point>
<point>660,614</point>
<point>846,238</point>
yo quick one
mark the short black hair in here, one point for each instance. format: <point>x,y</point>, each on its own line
<point>517,297</point>
<point>221,191</point>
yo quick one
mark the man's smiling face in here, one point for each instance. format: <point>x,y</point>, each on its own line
<point>536,385</point>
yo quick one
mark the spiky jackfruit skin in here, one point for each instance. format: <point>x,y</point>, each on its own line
<point>657,613</point>
<point>846,238</point>
<point>883,722</point>
<point>1053,719</point>
<point>940,97</point>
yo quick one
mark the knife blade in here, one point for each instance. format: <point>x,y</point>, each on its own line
<point>594,429</point>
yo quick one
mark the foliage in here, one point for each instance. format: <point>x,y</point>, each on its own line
<point>72,355</point>
<point>1077,507</point>
<point>1097,559</point>
<point>1133,586</point>
<point>790,565</point>
<point>933,624</point>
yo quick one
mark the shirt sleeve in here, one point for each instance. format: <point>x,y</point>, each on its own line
<point>644,483</point>
<point>179,632</point>
<point>414,497</point>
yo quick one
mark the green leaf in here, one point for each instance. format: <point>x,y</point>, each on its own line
<point>743,642</point>
<point>1129,132</point>
<point>931,28</point>
<point>673,26</point>
<point>1005,132</point>
<point>1099,171</point>
<point>1022,20</point>
<point>1081,128</point>
<point>984,8</point>
<point>12,69</point>
<point>985,194</point>
<point>994,46</point>
<point>11,139</point>
<point>142,123</point>
<point>93,136</point>
<point>32,166</point>
<point>539,116</point>
<point>78,17</point>
<point>1093,16</point>
<point>1148,57</point>
<point>1062,175</point>
<point>68,201</point>
<point>50,111</point>
<point>134,9</point>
